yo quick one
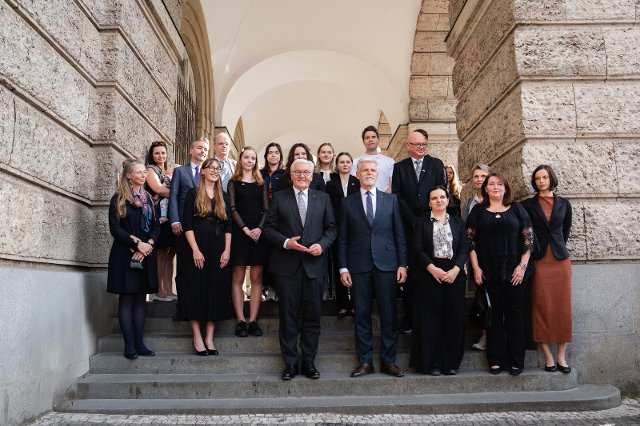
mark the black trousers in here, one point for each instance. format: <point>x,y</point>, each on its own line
<point>506,336</point>
<point>299,296</point>
<point>383,285</point>
<point>183,256</point>
<point>437,339</point>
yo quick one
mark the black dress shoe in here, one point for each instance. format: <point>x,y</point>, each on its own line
<point>391,369</point>
<point>289,373</point>
<point>550,369</point>
<point>405,330</point>
<point>434,372</point>
<point>241,329</point>
<point>565,369</point>
<point>311,371</point>
<point>451,372</point>
<point>495,371</point>
<point>363,370</point>
<point>254,330</point>
<point>515,371</point>
<point>200,353</point>
<point>145,352</point>
<point>132,355</point>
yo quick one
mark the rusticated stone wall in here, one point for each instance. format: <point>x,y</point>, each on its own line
<point>558,82</point>
<point>83,85</point>
<point>432,105</point>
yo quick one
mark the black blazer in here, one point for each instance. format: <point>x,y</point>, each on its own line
<point>362,246</point>
<point>283,221</point>
<point>413,194</point>
<point>334,189</point>
<point>554,231</point>
<point>422,242</point>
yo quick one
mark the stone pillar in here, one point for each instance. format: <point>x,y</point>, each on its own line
<point>432,103</point>
<point>559,83</point>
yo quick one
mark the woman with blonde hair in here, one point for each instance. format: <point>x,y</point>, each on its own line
<point>132,272</point>
<point>207,226</point>
<point>324,166</point>
<point>455,189</point>
<point>249,201</point>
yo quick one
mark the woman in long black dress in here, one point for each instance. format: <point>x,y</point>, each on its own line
<point>249,201</point>
<point>442,249</point>
<point>500,243</point>
<point>341,185</point>
<point>133,270</point>
<point>207,226</point>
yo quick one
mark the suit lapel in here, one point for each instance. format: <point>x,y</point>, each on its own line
<point>554,210</point>
<point>422,169</point>
<point>537,208</point>
<point>379,205</point>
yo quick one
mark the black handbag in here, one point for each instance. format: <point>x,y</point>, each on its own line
<point>480,312</point>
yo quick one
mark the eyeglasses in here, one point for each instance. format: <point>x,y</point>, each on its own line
<point>419,145</point>
<point>214,168</point>
<point>301,173</point>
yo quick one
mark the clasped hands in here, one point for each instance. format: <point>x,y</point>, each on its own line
<point>442,276</point>
<point>254,233</point>
<point>313,249</point>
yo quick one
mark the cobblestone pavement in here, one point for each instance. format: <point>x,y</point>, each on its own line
<point>627,414</point>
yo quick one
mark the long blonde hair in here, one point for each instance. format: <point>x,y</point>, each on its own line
<point>123,190</point>
<point>203,202</point>
<point>455,186</point>
<point>255,171</point>
<point>319,163</point>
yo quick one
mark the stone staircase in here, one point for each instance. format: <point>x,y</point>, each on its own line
<point>245,377</point>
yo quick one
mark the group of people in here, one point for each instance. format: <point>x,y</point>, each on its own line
<point>376,228</point>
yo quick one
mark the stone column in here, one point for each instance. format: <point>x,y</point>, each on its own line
<point>558,82</point>
<point>432,104</point>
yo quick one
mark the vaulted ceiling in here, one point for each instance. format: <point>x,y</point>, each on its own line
<point>308,70</point>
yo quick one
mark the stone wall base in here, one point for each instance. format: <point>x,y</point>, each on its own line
<point>51,321</point>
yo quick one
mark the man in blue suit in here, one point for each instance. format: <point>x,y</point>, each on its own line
<point>184,178</point>
<point>372,254</point>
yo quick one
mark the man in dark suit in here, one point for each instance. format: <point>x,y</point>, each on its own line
<point>184,178</point>
<point>372,255</point>
<point>301,227</point>
<point>412,179</point>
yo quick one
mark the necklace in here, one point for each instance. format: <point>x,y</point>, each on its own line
<point>498,216</point>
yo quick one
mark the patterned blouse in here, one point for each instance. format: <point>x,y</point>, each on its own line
<point>442,238</point>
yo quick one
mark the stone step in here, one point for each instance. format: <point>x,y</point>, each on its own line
<point>582,397</point>
<point>227,342</point>
<point>158,386</point>
<point>186,362</point>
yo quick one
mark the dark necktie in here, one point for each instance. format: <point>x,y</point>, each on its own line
<point>417,168</point>
<point>369,208</point>
<point>196,177</point>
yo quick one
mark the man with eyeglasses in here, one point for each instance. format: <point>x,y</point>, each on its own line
<point>221,145</point>
<point>301,227</point>
<point>413,177</point>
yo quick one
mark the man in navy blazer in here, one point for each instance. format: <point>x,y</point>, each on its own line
<point>372,256</point>
<point>183,179</point>
<point>413,177</point>
<point>301,227</point>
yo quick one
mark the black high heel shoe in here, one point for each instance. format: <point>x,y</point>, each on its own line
<point>213,351</point>
<point>145,352</point>
<point>132,355</point>
<point>550,369</point>
<point>565,369</point>
<point>200,353</point>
